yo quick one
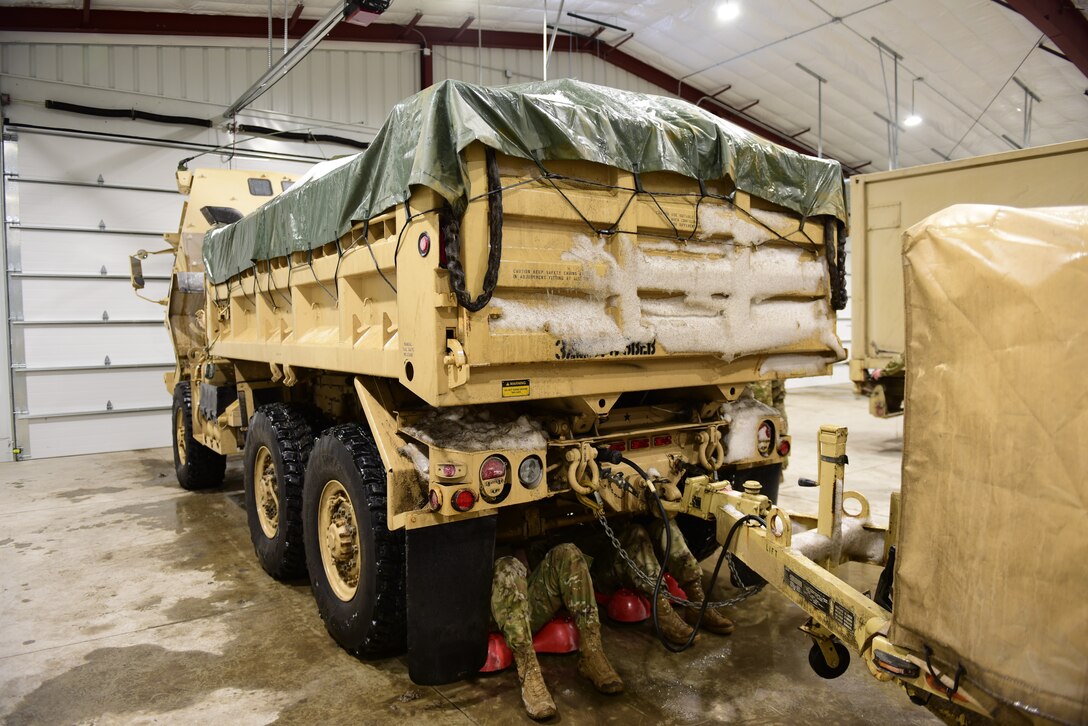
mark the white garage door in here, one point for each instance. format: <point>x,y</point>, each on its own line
<point>87,355</point>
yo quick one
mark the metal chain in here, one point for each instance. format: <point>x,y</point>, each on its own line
<point>451,230</point>
<point>652,581</point>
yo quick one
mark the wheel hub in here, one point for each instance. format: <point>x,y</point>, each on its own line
<point>264,492</point>
<point>339,543</point>
<point>179,435</point>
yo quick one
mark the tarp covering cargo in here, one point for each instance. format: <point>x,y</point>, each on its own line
<point>420,143</point>
<point>994,533</point>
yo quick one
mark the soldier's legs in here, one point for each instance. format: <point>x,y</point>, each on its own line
<point>510,609</point>
<point>510,603</point>
<point>562,579</point>
<point>685,568</point>
<point>636,542</point>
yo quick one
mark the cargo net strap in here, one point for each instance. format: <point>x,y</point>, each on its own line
<point>834,230</point>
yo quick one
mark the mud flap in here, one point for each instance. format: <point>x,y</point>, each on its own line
<point>449,599</point>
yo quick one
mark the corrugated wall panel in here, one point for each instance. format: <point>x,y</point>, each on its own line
<point>499,67</point>
<point>340,83</point>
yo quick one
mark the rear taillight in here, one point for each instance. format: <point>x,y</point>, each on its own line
<point>662,440</point>
<point>618,445</point>
<point>784,447</point>
<point>435,500</point>
<point>447,471</point>
<point>765,438</point>
<point>463,500</point>
<point>640,444</point>
<point>493,468</point>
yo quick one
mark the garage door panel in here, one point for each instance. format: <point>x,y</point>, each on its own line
<point>83,160</point>
<point>69,345</point>
<point>65,436</point>
<point>56,391</point>
<point>48,251</point>
<point>87,207</point>
<point>82,299</point>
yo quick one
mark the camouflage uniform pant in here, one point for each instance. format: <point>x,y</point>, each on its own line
<point>521,602</point>
<point>646,547</point>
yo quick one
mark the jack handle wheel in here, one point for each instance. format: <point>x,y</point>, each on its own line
<point>828,658</point>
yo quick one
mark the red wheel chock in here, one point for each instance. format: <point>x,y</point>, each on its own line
<point>559,635</point>
<point>499,655</point>
<point>674,587</point>
<point>628,606</point>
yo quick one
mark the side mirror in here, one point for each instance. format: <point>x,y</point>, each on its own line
<point>136,271</point>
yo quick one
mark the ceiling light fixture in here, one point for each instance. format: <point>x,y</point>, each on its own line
<point>729,11</point>
<point>914,119</point>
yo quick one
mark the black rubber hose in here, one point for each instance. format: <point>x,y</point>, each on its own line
<point>133,114</point>
<point>129,113</point>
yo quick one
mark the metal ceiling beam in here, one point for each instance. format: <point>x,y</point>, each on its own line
<point>184,24</point>
<point>290,59</point>
<point>1062,22</point>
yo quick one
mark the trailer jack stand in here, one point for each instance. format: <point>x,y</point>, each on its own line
<point>828,657</point>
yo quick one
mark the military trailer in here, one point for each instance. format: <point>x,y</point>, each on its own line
<point>885,204</point>
<point>451,338</point>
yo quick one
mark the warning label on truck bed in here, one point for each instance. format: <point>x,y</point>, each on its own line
<point>515,389</point>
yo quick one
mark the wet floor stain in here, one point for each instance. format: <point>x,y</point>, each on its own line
<point>80,495</point>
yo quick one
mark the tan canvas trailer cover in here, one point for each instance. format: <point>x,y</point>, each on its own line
<point>885,204</point>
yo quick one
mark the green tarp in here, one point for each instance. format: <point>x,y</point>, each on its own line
<point>421,141</point>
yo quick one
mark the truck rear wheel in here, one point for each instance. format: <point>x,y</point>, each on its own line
<point>278,443</point>
<point>197,466</point>
<point>356,564</point>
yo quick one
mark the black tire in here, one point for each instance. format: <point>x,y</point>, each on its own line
<point>820,666</point>
<point>280,436</point>
<point>369,621</point>
<point>197,467</point>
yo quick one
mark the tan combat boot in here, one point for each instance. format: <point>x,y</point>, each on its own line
<point>672,625</point>
<point>593,663</point>
<point>713,620</point>
<point>534,694</point>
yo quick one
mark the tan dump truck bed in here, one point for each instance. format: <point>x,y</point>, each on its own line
<point>885,204</point>
<point>602,281</point>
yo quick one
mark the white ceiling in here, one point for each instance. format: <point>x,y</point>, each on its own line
<point>967,52</point>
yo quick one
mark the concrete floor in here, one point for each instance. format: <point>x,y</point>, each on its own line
<point>127,600</point>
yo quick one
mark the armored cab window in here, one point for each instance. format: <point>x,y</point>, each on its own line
<point>286,184</point>
<point>260,187</point>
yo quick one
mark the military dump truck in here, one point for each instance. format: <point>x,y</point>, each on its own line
<point>885,204</point>
<point>454,336</point>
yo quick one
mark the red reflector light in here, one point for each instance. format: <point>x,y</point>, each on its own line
<point>493,468</point>
<point>784,447</point>
<point>640,444</point>
<point>447,470</point>
<point>662,440</point>
<point>618,446</point>
<point>463,500</point>
<point>424,244</point>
